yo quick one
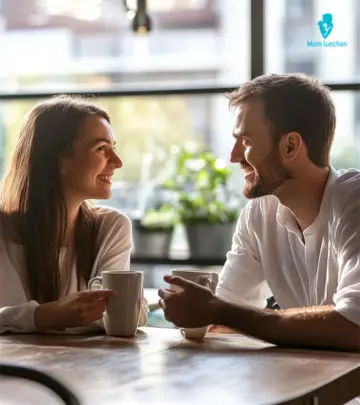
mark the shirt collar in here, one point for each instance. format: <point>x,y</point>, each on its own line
<point>284,217</point>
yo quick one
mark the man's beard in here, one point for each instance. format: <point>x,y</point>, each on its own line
<point>271,176</point>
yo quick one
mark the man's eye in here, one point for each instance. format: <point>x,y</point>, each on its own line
<point>102,147</point>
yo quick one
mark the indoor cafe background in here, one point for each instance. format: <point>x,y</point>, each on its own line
<point>164,90</point>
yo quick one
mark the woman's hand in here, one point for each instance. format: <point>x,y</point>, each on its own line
<point>79,309</point>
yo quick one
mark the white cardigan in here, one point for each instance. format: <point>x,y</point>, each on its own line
<point>17,311</point>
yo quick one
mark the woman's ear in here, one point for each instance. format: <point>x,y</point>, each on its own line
<point>290,146</point>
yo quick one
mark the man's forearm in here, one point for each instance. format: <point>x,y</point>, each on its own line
<point>314,327</point>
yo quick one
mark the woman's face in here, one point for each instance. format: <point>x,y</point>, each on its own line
<point>86,173</point>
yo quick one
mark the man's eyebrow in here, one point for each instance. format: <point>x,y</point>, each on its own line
<point>237,134</point>
<point>99,140</point>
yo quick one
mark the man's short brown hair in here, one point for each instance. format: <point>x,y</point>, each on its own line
<point>294,102</point>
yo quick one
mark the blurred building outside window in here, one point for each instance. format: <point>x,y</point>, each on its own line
<point>87,45</point>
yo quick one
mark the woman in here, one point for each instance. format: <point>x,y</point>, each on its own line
<point>51,241</point>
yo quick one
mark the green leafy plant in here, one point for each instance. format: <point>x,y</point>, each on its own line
<point>200,186</point>
<point>161,219</point>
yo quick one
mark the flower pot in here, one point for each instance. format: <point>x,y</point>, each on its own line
<point>209,240</point>
<point>152,243</point>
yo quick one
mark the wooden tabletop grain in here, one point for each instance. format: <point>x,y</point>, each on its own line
<point>159,366</point>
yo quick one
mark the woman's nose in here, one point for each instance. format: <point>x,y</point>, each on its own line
<point>116,161</point>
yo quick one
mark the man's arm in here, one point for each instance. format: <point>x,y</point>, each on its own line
<point>314,327</point>
<point>242,279</point>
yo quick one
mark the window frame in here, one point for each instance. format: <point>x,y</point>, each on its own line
<point>257,67</point>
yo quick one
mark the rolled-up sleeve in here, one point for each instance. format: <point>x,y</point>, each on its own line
<point>242,279</point>
<point>347,245</point>
<point>18,318</point>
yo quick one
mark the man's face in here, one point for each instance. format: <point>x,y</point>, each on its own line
<point>255,152</point>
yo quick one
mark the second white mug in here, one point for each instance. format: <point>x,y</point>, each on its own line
<point>207,279</point>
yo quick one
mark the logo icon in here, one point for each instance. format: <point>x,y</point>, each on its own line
<point>326,25</point>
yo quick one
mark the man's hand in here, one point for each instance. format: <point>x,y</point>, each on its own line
<point>221,329</point>
<point>193,307</point>
<point>79,309</point>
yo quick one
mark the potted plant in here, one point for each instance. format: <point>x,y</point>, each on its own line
<point>206,205</point>
<point>153,231</point>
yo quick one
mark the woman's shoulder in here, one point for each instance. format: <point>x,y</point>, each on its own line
<point>109,217</point>
<point>113,226</point>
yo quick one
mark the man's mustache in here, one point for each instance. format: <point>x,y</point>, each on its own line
<point>244,165</point>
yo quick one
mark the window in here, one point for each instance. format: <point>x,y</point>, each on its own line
<point>346,146</point>
<point>292,32</point>
<point>69,45</point>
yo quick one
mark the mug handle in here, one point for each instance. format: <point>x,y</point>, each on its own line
<point>214,281</point>
<point>205,281</point>
<point>97,281</point>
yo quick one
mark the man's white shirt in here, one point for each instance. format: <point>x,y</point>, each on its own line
<point>270,255</point>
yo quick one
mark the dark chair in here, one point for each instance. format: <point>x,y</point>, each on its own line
<point>272,304</point>
<point>29,373</point>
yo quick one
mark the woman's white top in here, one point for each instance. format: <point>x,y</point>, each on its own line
<point>17,311</point>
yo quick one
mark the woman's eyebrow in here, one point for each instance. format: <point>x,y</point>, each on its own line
<point>99,140</point>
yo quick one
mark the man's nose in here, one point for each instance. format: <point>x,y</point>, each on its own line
<point>237,153</point>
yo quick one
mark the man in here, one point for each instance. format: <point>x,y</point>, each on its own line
<point>298,237</point>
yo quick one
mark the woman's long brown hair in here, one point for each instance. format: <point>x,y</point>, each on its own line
<point>32,205</point>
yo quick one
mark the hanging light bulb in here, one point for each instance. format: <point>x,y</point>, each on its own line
<point>141,22</point>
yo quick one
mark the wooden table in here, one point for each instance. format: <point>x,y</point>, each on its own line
<point>159,366</point>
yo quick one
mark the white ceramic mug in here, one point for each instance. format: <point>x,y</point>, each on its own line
<point>207,279</point>
<point>122,312</point>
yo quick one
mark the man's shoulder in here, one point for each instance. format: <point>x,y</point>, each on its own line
<point>259,210</point>
<point>346,177</point>
<point>346,184</point>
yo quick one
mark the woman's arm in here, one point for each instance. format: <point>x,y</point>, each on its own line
<point>16,309</point>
